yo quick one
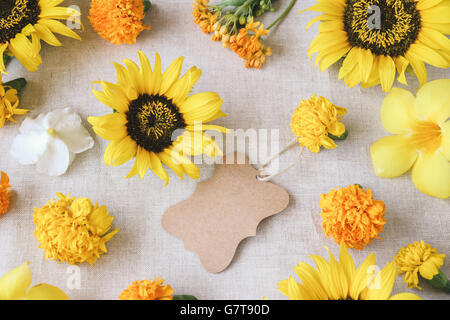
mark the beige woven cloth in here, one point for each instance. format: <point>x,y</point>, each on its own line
<point>261,99</point>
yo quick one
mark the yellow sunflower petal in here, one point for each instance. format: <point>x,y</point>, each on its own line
<point>431,175</point>
<point>60,28</point>
<point>156,167</point>
<point>143,161</point>
<point>14,284</point>
<point>201,107</point>
<point>167,160</point>
<point>433,100</point>
<point>382,284</point>
<point>418,67</point>
<point>171,75</point>
<point>397,111</point>
<point>311,281</point>
<point>405,296</point>
<point>392,156</point>
<point>363,273</point>
<point>45,291</point>
<point>387,72</point>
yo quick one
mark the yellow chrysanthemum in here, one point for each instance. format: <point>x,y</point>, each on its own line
<point>118,21</point>
<point>9,102</point>
<point>339,280</point>
<point>4,193</point>
<point>15,285</point>
<point>155,120</point>
<point>351,215</point>
<point>421,139</point>
<point>73,230</point>
<point>24,23</point>
<point>147,290</point>
<point>315,120</point>
<point>376,38</point>
<point>418,258</point>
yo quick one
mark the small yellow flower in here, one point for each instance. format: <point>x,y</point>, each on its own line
<point>118,21</point>
<point>73,230</point>
<point>203,17</point>
<point>147,290</point>
<point>15,285</point>
<point>352,216</point>
<point>340,280</point>
<point>418,258</point>
<point>421,137</point>
<point>9,102</point>
<point>315,120</point>
<point>4,193</point>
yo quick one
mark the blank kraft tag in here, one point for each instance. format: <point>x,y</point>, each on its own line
<point>223,211</point>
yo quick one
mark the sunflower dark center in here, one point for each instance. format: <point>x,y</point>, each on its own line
<point>16,15</point>
<point>152,122</point>
<point>385,27</point>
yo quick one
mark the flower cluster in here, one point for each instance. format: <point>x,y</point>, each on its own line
<point>118,21</point>
<point>316,123</point>
<point>236,28</point>
<point>73,230</point>
<point>4,193</point>
<point>351,216</point>
<point>9,102</point>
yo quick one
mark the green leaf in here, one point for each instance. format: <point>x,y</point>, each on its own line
<point>184,297</point>
<point>6,59</point>
<point>17,84</point>
<point>342,137</point>
<point>147,5</point>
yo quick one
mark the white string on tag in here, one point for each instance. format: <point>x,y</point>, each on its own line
<point>263,177</point>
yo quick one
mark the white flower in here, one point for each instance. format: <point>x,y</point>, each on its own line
<point>51,141</point>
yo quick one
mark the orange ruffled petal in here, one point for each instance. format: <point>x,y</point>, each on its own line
<point>147,290</point>
<point>4,193</point>
<point>352,216</point>
<point>118,21</point>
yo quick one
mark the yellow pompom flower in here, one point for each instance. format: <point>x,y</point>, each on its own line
<point>155,119</point>
<point>15,285</point>
<point>24,23</point>
<point>340,280</point>
<point>379,38</point>
<point>421,139</point>
<point>316,121</point>
<point>73,230</point>
<point>4,193</point>
<point>147,290</point>
<point>118,21</point>
<point>351,216</point>
<point>419,258</point>
<point>9,102</point>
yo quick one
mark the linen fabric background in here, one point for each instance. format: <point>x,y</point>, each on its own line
<point>260,99</point>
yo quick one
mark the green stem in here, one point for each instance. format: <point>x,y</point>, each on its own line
<point>285,12</point>
<point>184,297</point>
<point>244,6</point>
<point>6,59</point>
<point>17,84</point>
<point>147,5</point>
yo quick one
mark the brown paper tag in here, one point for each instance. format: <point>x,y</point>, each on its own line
<point>223,211</point>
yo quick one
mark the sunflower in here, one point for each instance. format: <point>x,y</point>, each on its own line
<point>342,281</point>
<point>155,120</point>
<point>409,32</point>
<point>23,23</point>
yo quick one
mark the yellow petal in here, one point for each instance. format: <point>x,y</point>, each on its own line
<point>201,107</point>
<point>405,296</point>
<point>418,67</point>
<point>363,273</point>
<point>431,175</point>
<point>14,284</point>
<point>431,267</point>
<point>100,220</point>
<point>392,156</point>
<point>380,287</point>
<point>171,75</point>
<point>433,100</point>
<point>445,146</point>
<point>401,64</point>
<point>397,111</point>
<point>346,261</point>
<point>156,167</point>
<point>365,64</point>
<point>45,291</point>
<point>311,281</point>
<point>387,72</point>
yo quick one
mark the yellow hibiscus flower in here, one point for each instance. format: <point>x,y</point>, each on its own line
<point>421,140</point>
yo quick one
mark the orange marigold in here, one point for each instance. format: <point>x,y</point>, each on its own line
<point>147,290</point>
<point>203,16</point>
<point>352,216</point>
<point>118,21</point>
<point>4,193</point>
<point>248,45</point>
